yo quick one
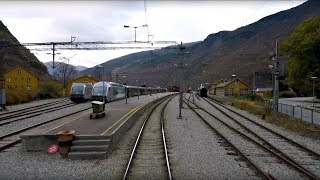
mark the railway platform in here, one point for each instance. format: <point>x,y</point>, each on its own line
<point>119,116</point>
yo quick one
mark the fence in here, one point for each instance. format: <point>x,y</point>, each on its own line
<point>305,114</point>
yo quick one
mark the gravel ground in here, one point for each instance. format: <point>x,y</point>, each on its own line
<point>42,118</point>
<point>17,164</point>
<point>308,142</point>
<point>30,104</point>
<point>195,152</point>
<point>295,152</point>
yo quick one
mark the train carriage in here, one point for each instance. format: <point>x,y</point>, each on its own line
<point>81,92</point>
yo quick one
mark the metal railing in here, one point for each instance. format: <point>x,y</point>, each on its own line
<point>310,115</point>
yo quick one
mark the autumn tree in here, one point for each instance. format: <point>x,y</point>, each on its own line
<point>64,73</point>
<point>302,52</point>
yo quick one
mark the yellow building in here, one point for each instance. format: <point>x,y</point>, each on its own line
<point>214,85</point>
<point>81,79</point>
<point>232,87</point>
<point>263,92</point>
<point>20,78</point>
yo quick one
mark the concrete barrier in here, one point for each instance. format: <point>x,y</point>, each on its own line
<point>34,142</point>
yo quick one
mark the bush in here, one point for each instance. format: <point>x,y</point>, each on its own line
<point>287,94</point>
<point>254,107</point>
<point>50,89</point>
<point>19,96</point>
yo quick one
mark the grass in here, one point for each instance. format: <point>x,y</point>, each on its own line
<point>292,124</point>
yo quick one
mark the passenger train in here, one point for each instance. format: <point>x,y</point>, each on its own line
<point>110,91</point>
<point>81,92</point>
<point>202,91</point>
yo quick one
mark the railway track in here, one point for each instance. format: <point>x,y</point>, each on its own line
<point>269,161</point>
<point>5,113</point>
<point>34,112</point>
<point>307,158</point>
<point>12,138</point>
<point>149,157</point>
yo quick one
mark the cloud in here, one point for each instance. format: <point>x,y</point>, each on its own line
<point>185,21</point>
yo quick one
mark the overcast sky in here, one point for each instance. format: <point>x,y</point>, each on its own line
<point>181,21</point>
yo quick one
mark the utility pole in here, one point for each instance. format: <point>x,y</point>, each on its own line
<point>181,66</point>
<point>276,79</point>
<point>2,81</point>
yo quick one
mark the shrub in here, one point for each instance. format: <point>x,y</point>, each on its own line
<point>19,96</point>
<point>287,94</point>
<point>50,89</point>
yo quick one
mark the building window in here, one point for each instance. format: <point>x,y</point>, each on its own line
<point>28,80</point>
<point>19,71</point>
<point>228,92</point>
<point>22,78</point>
<point>28,88</point>
<point>22,87</point>
<point>8,79</point>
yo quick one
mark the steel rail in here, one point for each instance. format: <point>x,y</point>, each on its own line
<point>164,137</point>
<point>35,114</point>
<point>27,128</point>
<point>138,138</point>
<point>33,107</point>
<point>259,170</point>
<point>266,145</point>
<point>266,128</point>
<point>34,110</point>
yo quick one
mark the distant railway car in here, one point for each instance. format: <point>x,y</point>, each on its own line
<point>81,92</point>
<point>108,91</point>
<point>133,91</point>
<point>202,91</point>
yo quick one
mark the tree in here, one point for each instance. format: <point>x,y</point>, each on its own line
<point>64,73</point>
<point>302,52</point>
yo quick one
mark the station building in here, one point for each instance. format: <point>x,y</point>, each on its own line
<point>81,79</point>
<point>232,87</point>
<point>20,78</point>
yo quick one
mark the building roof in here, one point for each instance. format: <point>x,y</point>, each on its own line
<point>263,89</point>
<point>90,77</point>
<point>223,84</point>
<point>22,68</point>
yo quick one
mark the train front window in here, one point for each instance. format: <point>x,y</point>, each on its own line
<point>77,89</point>
<point>99,89</point>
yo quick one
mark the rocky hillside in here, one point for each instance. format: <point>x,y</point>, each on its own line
<point>244,52</point>
<point>11,56</point>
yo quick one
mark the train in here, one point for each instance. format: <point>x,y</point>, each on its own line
<point>110,91</point>
<point>81,92</point>
<point>202,91</point>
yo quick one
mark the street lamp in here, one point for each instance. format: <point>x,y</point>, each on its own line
<point>135,30</point>
<point>313,79</point>
<point>181,67</point>
<point>103,93</point>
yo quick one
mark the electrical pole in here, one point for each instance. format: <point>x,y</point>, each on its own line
<point>181,66</point>
<point>276,79</point>
<point>2,81</point>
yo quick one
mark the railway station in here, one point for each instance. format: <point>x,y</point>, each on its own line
<point>153,90</point>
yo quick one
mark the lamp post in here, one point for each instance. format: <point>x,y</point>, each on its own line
<point>135,30</point>
<point>181,66</point>
<point>103,93</point>
<point>313,79</point>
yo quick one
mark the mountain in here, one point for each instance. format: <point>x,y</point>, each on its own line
<point>244,52</point>
<point>51,70</point>
<point>10,56</point>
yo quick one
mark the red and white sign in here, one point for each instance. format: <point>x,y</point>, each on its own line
<point>53,149</point>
